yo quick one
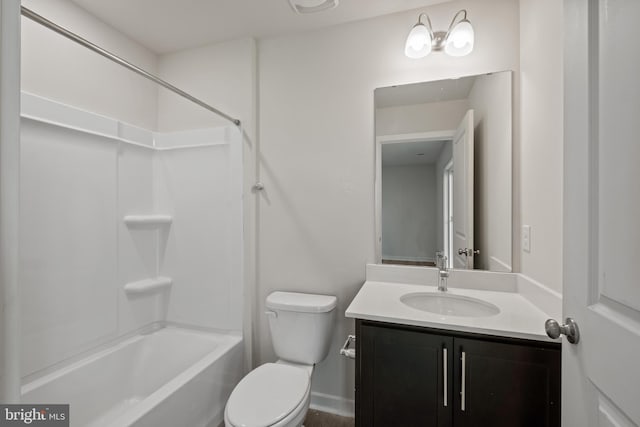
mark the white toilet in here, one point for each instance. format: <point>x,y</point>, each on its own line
<point>278,394</point>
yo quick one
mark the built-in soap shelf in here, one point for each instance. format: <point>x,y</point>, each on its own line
<point>148,286</point>
<point>153,220</point>
<point>156,227</point>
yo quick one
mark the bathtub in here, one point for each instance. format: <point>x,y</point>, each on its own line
<point>171,377</point>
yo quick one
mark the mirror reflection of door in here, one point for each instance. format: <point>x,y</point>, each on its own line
<point>463,246</point>
<point>447,214</point>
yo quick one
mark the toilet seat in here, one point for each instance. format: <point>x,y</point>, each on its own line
<point>268,396</point>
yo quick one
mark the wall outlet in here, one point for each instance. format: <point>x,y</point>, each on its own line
<point>526,238</point>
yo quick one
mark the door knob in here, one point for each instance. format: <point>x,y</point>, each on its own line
<point>468,252</point>
<point>569,329</point>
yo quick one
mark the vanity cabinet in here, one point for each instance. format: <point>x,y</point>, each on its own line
<point>411,376</point>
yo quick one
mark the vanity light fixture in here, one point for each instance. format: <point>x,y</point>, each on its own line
<point>456,41</point>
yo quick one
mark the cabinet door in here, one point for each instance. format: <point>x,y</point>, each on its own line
<point>506,385</point>
<point>401,378</point>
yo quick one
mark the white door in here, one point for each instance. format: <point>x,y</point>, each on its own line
<point>463,193</point>
<point>601,249</point>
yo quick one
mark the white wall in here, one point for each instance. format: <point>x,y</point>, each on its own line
<point>490,98</point>
<point>57,68</point>
<point>541,139</point>
<point>409,212</point>
<point>432,116</point>
<point>220,74</point>
<point>316,226</point>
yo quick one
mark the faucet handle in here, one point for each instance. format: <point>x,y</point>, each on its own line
<point>441,260</point>
<point>439,257</point>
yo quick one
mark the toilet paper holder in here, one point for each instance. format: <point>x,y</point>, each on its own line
<point>346,349</point>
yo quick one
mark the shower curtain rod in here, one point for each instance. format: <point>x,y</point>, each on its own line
<point>115,58</point>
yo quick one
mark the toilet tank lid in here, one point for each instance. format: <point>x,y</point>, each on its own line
<point>304,303</point>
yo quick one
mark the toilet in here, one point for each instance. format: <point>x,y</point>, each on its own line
<point>278,394</point>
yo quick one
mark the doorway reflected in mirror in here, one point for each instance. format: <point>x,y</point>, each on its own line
<point>444,173</point>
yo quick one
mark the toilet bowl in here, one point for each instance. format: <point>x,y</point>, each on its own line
<point>274,395</point>
<point>278,394</point>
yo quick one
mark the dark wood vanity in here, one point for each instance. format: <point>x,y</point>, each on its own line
<point>415,376</point>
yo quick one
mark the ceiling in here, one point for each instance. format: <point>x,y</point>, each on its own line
<point>412,153</point>
<point>169,25</point>
<point>421,93</point>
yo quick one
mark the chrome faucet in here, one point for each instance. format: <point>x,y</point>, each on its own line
<point>441,264</point>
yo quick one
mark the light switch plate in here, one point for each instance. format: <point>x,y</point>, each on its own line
<point>526,238</point>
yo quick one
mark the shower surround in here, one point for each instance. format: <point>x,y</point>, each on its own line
<point>124,230</point>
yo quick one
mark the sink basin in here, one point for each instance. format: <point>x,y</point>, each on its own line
<point>449,305</point>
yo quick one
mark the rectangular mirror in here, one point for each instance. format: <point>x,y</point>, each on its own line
<point>444,172</point>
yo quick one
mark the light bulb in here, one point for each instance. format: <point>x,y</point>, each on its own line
<point>418,43</point>
<point>460,40</point>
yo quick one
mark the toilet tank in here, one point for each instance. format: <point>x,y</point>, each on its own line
<point>301,325</point>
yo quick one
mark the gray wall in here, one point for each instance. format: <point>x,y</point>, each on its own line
<point>409,212</point>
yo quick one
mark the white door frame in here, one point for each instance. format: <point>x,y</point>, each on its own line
<point>447,218</point>
<point>395,139</point>
<point>10,342</point>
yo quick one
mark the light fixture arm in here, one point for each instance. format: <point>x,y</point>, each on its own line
<point>429,25</point>
<point>453,21</point>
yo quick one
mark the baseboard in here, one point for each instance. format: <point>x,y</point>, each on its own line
<point>408,258</point>
<point>332,404</point>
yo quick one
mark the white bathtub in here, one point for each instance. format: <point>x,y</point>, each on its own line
<point>173,377</point>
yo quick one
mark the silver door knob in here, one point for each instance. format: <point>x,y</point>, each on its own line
<point>468,252</point>
<point>569,329</point>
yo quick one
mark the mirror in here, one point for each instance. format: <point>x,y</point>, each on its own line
<point>444,172</point>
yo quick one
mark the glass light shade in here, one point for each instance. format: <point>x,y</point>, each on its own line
<point>460,39</point>
<point>418,43</point>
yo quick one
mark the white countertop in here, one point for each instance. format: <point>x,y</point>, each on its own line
<point>518,317</point>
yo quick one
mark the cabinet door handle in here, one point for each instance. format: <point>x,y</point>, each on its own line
<point>444,375</point>
<point>464,381</point>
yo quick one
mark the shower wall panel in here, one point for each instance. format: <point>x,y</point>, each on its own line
<point>68,242</point>
<point>138,256</point>
<point>201,189</point>
<point>82,174</point>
